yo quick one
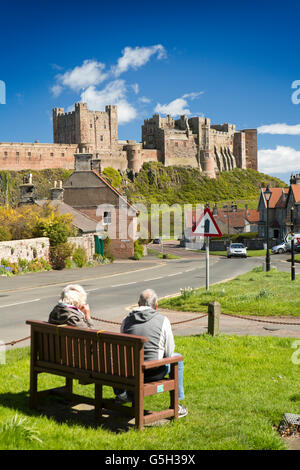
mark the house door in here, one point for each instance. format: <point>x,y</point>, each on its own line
<point>99,248</point>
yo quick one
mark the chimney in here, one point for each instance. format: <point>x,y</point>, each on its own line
<point>215,209</point>
<point>57,192</point>
<point>27,191</point>
<point>83,161</point>
<point>96,164</point>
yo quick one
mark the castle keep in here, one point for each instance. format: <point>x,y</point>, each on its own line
<point>194,142</point>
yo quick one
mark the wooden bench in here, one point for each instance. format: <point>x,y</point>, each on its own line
<point>99,358</point>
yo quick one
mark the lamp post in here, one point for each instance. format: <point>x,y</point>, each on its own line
<point>292,246</point>
<point>268,195</point>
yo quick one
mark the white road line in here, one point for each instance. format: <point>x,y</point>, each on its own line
<point>188,270</point>
<point>153,279</point>
<point>126,284</point>
<point>19,303</point>
<point>175,274</point>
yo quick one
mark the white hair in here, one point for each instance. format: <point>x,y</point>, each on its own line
<point>148,298</point>
<point>74,294</point>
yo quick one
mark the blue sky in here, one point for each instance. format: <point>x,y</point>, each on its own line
<point>228,61</point>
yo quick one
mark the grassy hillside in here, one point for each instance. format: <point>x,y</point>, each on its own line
<point>43,180</point>
<point>158,184</point>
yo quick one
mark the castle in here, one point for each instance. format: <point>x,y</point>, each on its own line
<point>191,142</point>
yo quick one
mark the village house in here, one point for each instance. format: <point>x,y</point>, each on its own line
<point>98,209</point>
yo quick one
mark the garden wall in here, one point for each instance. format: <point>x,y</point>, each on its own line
<point>29,249</point>
<point>86,242</point>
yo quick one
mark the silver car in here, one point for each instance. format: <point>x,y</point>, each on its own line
<point>237,249</point>
<point>281,248</point>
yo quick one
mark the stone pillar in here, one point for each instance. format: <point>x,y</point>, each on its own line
<point>214,311</point>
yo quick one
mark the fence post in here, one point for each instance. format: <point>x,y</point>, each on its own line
<point>214,311</point>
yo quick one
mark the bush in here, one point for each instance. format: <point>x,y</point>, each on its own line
<point>80,257</point>
<point>107,249</point>
<point>138,250</point>
<point>59,255</point>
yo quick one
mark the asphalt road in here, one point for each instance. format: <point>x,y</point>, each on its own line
<point>111,288</point>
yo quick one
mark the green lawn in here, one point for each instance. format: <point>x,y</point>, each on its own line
<point>253,293</point>
<point>250,253</point>
<point>237,390</point>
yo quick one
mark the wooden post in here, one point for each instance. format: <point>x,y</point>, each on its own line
<point>214,311</point>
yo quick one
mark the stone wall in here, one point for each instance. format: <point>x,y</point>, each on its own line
<point>86,242</point>
<point>25,249</point>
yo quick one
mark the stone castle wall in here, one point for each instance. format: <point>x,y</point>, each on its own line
<point>190,142</point>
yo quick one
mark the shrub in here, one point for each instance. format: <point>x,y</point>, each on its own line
<point>107,249</point>
<point>138,250</point>
<point>80,257</point>
<point>59,255</point>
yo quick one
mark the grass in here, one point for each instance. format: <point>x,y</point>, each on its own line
<point>237,390</point>
<point>250,253</point>
<point>161,255</point>
<point>253,293</point>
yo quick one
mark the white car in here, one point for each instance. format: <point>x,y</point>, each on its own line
<point>237,249</point>
<point>281,248</point>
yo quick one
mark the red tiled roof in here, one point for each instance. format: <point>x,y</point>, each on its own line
<point>252,215</point>
<point>277,200</point>
<point>296,191</point>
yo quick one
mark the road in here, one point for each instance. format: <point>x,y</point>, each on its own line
<point>111,288</point>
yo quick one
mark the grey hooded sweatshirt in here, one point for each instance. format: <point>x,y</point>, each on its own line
<point>145,321</point>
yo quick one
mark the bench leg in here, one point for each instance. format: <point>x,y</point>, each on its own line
<point>139,409</point>
<point>69,385</point>
<point>98,401</point>
<point>174,393</point>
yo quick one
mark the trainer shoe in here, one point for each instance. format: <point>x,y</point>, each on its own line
<point>182,411</point>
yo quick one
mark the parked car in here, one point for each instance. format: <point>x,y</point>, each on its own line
<point>237,249</point>
<point>281,248</point>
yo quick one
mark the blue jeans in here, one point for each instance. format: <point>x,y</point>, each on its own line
<point>163,371</point>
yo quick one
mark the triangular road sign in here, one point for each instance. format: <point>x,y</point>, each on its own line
<point>206,226</point>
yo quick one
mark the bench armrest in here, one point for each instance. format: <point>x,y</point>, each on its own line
<point>162,362</point>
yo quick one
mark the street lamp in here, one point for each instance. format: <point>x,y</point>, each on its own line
<point>292,246</point>
<point>268,195</point>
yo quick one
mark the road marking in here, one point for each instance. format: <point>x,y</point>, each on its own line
<point>153,279</point>
<point>20,303</point>
<point>175,274</point>
<point>188,270</point>
<point>125,284</point>
<point>78,281</point>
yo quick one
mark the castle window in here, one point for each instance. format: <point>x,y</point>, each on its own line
<point>51,154</point>
<point>62,154</point>
<point>101,138</point>
<point>107,218</point>
<point>91,126</point>
<point>29,154</point>
<point>104,126</point>
<point>17,154</point>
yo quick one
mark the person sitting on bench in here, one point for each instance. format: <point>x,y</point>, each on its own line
<point>72,308</point>
<point>146,321</point>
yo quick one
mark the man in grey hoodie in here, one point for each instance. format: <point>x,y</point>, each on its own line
<point>146,321</point>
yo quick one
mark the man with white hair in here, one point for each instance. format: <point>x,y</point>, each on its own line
<point>145,320</point>
<point>72,308</point>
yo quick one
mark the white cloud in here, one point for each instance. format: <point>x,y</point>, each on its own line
<point>56,90</point>
<point>279,160</point>
<point>136,57</point>
<point>280,128</point>
<point>114,93</point>
<point>177,107</point>
<point>144,99</point>
<point>89,73</point>
<point>135,88</point>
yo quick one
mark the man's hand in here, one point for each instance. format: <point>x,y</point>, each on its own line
<point>86,311</point>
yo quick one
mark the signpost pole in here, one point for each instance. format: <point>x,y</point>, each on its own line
<point>207,262</point>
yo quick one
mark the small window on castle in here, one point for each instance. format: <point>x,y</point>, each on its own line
<point>62,154</point>
<point>107,218</point>
<point>104,126</point>
<point>29,154</point>
<point>101,138</point>
<point>176,144</point>
<point>91,126</point>
<point>17,154</point>
<point>51,154</point>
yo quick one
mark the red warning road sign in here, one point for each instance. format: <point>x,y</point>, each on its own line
<point>206,226</point>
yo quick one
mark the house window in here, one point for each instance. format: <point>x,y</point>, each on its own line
<point>107,218</point>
